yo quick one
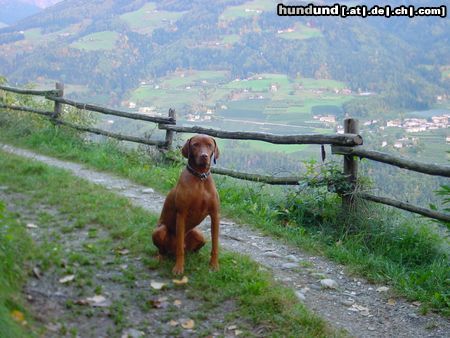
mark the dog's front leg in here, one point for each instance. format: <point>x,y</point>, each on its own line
<point>180,234</point>
<point>214,262</point>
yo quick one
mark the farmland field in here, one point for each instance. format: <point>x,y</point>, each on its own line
<point>301,32</point>
<point>146,19</point>
<point>97,41</point>
<point>248,9</point>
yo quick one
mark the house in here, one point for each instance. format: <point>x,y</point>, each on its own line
<point>146,110</point>
<point>394,123</point>
<point>328,119</point>
<point>398,144</point>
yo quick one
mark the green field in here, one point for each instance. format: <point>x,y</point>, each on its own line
<point>105,40</point>
<point>146,19</point>
<point>192,78</point>
<point>32,34</point>
<point>248,9</point>
<point>231,39</point>
<point>445,72</point>
<point>301,32</point>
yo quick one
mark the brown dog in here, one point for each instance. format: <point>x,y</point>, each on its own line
<point>186,206</point>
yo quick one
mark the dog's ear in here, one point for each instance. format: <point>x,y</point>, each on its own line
<point>185,149</point>
<point>216,151</point>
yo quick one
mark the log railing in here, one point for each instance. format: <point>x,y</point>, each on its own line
<point>348,144</point>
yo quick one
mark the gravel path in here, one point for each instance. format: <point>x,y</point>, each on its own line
<point>353,304</point>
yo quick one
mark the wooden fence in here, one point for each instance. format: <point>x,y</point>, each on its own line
<point>348,144</point>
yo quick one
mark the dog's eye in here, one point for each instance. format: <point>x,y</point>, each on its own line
<point>195,145</point>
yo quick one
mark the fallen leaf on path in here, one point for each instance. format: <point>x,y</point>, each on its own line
<point>32,226</point>
<point>37,272</point>
<point>159,303</point>
<point>173,323</point>
<point>391,301</point>
<point>67,279</point>
<point>416,303</point>
<point>157,285</point>
<point>123,251</point>
<point>232,327</point>
<point>18,316</point>
<point>98,301</point>
<point>238,332</point>
<point>181,281</point>
<point>383,289</point>
<point>177,302</point>
<point>188,324</point>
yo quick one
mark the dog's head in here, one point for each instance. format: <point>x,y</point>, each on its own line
<point>200,149</point>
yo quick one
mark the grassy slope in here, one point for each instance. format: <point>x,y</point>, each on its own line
<point>260,299</point>
<point>383,246</point>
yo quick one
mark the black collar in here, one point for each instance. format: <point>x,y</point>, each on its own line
<point>201,176</point>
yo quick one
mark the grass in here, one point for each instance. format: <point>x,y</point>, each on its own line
<point>15,248</point>
<point>383,246</point>
<point>105,40</point>
<point>301,32</point>
<point>146,19</point>
<point>260,300</point>
<point>248,9</point>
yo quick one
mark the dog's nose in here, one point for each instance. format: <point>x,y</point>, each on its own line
<point>204,155</point>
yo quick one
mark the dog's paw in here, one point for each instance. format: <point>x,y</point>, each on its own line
<point>214,265</point>
<point>178,270</point>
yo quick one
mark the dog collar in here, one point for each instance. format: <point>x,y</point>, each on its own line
<point>201,176</point>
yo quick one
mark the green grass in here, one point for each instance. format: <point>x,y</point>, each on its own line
<point>105,40</point>
<point>33,34</point>
<point>193,77</point>
<point>260,300</point>
<point>147,18</point>
<point>384,246</point>
<point>301,32</point>
<point>15,248</point>
<point>234,12</point>
<point>260,85</point>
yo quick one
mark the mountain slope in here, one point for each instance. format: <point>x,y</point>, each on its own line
<point>402,66</point>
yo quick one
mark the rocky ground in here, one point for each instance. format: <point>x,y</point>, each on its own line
<point>347,302</point>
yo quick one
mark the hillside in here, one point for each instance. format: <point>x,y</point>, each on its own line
<point>113,47</point>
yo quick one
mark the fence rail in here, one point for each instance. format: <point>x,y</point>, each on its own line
<point>404,163</point>
<point>103,110</point>
<point>347,144</point>
<point>34,92</point>
<point>338,139</point>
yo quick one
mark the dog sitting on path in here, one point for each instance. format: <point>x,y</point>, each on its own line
<point>187,205</point>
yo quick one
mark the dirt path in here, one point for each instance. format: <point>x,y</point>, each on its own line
<point>349,303</point>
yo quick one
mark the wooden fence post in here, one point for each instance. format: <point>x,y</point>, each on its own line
<point>169,133</point>
<point>58,106</point>
<point>351,126</point>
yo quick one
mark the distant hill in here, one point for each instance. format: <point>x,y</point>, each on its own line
<point>13,10</point>
<point>113,46</point>
<point>41,3</point>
